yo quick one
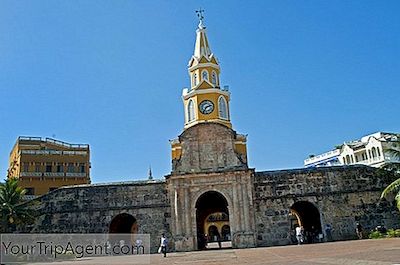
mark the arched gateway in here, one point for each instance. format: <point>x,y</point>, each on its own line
<point>212,219</point>
<point>123,224</point>
<point>306,214</point>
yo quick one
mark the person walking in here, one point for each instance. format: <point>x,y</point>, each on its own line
<point>163,245</point>
<point>359,230</point>
<point>299,234</point>
<point>328,232</point>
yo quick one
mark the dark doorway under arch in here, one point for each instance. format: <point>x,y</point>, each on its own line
<point>211,212</point>
<point>123,224</point>
<point>307,215</point>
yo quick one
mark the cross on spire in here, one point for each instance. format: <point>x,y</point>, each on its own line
<point>200,15</point>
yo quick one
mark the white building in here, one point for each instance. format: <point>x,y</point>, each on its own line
<point>372,150</point>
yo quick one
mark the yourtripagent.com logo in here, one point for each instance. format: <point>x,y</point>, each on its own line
<point>48,248</point>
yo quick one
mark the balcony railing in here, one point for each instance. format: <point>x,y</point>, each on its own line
<point>53,141</point>
<point>29,197</point>
<point>31,174</point>
<point>52,174</point>
<point>52,152</point>
<point>75,174</point>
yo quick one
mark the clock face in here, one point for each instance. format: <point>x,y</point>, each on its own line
<point>206,107</point>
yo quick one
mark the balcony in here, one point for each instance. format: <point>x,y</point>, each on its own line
<point>52,174</point>
<point>80,175</point>
<point>52,152</point>
<point>31,174</point>
<point>29,197</point>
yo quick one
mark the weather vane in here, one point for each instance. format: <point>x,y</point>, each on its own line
<point>200,15</point>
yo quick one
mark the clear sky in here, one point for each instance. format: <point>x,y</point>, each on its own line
<point>304,76</point>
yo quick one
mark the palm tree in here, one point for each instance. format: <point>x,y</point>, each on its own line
<point>13,210</point>
<point>394,187</point>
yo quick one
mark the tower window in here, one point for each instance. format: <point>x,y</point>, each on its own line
<point>190,111</point>
<point>222,107</point>
<point>194,79</point>
<point>214,78</point>
<point>204,75</point>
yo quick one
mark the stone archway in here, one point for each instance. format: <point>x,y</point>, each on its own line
<point>211,212</point>
<point>123,224</point>
<point>307,215</point>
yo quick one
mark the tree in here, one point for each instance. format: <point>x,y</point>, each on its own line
<point>13,210</point>
<point>394,187</point>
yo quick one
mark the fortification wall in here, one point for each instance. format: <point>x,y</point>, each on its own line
<point>342,195</point>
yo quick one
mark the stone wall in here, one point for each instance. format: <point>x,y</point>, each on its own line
<point>343,196</point>
<point>91,208</point>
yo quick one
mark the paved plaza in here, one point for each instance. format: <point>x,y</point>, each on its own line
<point>361,252</point>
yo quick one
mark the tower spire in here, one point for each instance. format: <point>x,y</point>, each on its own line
<point>202,48</point>
<point>150,174</point>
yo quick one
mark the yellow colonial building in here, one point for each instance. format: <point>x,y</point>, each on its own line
<point>43,165</point>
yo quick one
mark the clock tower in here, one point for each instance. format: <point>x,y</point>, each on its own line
<point>205,100</point>
<point>210,178</point>
<point>208,142</point>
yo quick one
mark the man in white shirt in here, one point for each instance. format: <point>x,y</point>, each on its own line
<point>299,234</point>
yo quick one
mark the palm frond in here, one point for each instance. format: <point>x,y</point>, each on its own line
<point>393,187</point>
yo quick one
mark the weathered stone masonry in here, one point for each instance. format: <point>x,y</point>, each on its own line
<point>91,208</point>
<point>342,195</point>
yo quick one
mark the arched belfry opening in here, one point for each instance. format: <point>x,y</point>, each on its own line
<point>212,220</point>
<point>307,215</point>
<point>123,224</point>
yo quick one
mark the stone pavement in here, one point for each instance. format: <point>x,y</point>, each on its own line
<point>360,252</point>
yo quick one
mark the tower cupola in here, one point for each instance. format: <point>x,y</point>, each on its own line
<point>205,101</point>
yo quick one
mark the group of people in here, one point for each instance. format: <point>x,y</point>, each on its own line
<point>309,236</point>
<point>312,235</point>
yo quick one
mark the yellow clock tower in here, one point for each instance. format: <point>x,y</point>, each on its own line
<point>208,142</point>
<point>205,101</point>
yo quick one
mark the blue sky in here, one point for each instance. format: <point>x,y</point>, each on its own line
<point>304,76</point>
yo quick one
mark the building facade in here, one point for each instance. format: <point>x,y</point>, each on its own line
<point>211,194</point>
<point>373,150</point>
<point>43,165</point>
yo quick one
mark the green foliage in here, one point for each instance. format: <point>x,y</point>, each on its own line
<point>393,233</point>
<point>389,234</point>
<point>376,235</point>
<point>394,187</point>
<point>13,211</point>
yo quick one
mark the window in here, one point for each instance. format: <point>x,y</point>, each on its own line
<point>37,168</point>
<point>204,75</point>
<point>214,78</point>
<point>26,167</point>
<point>373,152</point>
<point>49,167</point>
<point>82,168</point>
<point>222,107</point>
<point>194,79</point>
<point>190,111</point>
<point>60,168</point>
<point>379,151</point>
<point>71,168</point>
<point>30,191</point>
